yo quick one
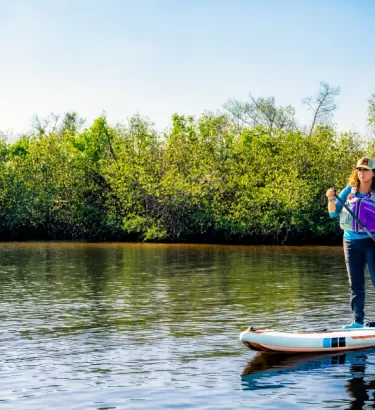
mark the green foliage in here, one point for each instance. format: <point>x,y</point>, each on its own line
<point>203,179</point>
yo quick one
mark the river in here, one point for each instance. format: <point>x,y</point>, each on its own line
<point>140,326</point>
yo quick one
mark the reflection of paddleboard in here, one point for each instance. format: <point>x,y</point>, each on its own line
<point>309,341</point>
<point>275,362</point>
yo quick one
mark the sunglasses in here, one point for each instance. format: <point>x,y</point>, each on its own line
<point>363,169</point>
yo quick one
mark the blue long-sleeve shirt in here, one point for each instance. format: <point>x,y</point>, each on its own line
<point>343,195</point>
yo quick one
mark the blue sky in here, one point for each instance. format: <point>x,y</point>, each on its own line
<point>159,57</point>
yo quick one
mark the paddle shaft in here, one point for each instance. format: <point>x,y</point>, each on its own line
<point>364,227</point>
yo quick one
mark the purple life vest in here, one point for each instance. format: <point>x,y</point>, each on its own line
<point>364,209</point>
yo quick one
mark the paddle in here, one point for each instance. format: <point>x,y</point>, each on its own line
<point>355,217</point>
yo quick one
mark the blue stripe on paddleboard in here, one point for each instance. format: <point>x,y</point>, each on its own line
<point>327,342</point>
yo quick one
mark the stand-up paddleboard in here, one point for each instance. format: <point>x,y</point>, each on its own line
<point>309,341</point>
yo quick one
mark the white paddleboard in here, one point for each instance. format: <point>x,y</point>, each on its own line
<point>309,341</point>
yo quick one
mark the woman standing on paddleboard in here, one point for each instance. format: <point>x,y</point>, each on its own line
<point>359,247</point>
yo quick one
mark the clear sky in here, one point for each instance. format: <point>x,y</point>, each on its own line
<point>156,57</point>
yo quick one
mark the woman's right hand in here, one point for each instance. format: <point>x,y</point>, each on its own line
<point>331,194</point>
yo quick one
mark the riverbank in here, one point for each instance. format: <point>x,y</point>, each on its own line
<point>202,181</point>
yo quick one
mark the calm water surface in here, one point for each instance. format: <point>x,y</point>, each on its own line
<point>135,326</point>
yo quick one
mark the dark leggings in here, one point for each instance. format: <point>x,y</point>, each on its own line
<point>358,253</point>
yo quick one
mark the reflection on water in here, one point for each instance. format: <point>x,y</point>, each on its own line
<point>267,362</point>
<point>94,326</point>
<point>360,390</point>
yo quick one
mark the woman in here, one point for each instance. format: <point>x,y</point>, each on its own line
<point>359,248</point>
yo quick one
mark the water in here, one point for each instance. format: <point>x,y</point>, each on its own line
<point>135,326</point>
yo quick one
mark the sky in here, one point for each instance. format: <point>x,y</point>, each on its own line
<point>156,58</point>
